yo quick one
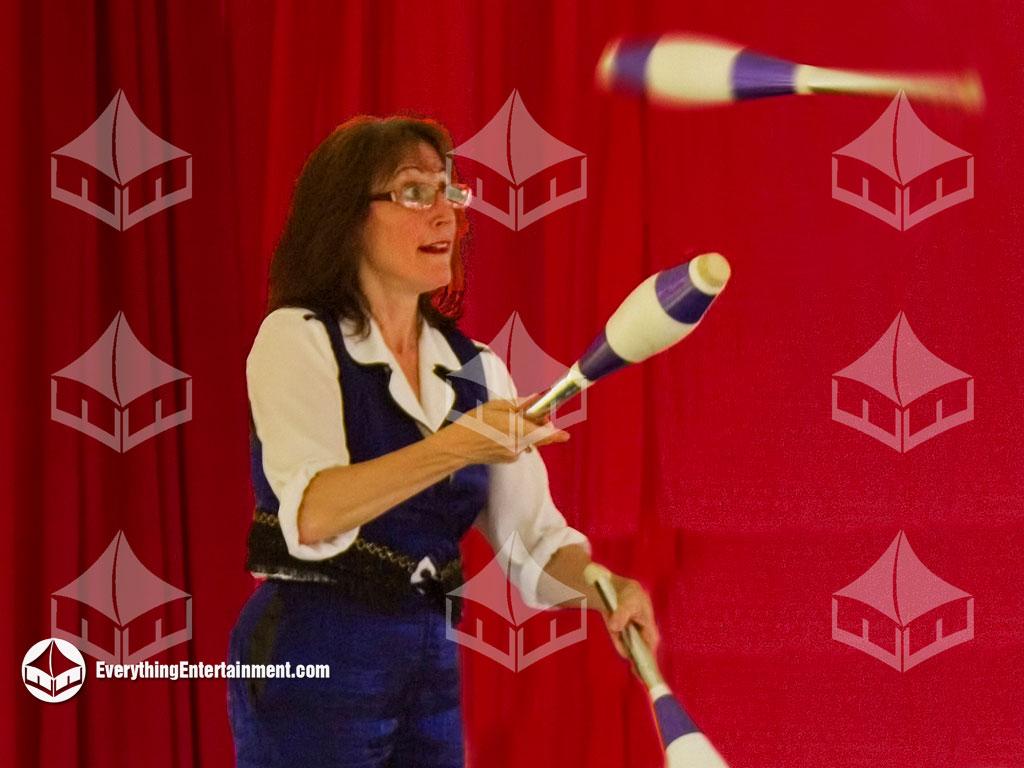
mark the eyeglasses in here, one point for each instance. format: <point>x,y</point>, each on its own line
<point>419,196</point>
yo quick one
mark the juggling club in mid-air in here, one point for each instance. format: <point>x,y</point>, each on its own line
<point>682,69</point>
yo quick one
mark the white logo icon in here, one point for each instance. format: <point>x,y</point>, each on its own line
<point>119,611</point>
<point>901,394</point>
<point>508,630</point>
<point>532,370</point>
<point>900,171</point>
<point>522,172</point>
<point>901,613</point>
<point>118,383</point>
<point>119,171</point>
<point>53,670</point>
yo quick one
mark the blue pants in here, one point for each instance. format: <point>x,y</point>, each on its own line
<point>392,698</point>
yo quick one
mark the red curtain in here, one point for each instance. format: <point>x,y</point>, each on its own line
<point>713,473</point>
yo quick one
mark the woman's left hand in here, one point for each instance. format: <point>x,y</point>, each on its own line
<point>634,606</point>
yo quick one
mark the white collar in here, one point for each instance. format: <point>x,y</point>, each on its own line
<point>436,394</point>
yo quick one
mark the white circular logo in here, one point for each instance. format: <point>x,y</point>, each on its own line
<point>53,670</point>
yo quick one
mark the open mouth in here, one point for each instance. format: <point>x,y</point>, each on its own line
<point>441,246</point>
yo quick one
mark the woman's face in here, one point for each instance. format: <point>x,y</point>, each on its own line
<point>410,250</point>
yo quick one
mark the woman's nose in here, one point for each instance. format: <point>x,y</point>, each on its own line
<point>442,212</point>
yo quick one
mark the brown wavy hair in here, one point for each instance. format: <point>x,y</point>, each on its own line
<point>316,262</point>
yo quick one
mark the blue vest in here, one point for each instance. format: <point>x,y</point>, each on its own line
<point>379,568</point>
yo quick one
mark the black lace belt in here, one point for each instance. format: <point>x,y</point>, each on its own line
<point>370,572</point>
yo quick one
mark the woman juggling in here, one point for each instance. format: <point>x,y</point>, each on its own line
<point>370,463</point>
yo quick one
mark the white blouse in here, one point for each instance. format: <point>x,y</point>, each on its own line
<point>296,407</point>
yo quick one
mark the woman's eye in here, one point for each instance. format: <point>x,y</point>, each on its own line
<point>416,193</point>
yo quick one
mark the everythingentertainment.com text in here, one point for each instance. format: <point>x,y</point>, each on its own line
<point>186,671</point>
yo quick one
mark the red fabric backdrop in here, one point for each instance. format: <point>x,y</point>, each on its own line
<point>713,473</point>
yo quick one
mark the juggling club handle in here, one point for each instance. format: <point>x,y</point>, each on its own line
<point>643,659</point>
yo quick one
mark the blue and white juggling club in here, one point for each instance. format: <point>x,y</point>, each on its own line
<point>691,70</point>
<point>685,745</point>
<point>659,312</point>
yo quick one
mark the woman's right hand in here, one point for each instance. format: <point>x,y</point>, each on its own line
<point>498,431</point>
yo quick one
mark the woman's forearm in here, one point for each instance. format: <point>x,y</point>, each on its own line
<point>566,567</point>
<point>634,604</point>
<point>341,498</point>
<point>344,497</point>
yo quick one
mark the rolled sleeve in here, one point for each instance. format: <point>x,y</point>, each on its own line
<point>520,506</point>
<point>295,398</point>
